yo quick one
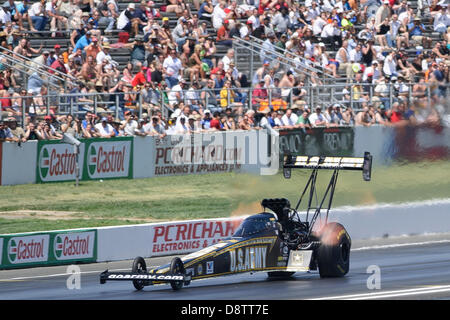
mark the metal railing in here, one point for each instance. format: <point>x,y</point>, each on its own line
<point>316,68</point>
<point>353,95</point>
<point>255,48</point>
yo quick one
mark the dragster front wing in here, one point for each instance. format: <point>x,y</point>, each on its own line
<point>130,276</point>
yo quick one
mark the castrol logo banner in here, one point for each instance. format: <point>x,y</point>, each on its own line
<point>58,161</point>
<point>28,249</point>
<point>108,159</point>
<point>69,246</point>
<point>187,236</point>
<point>97,159</point>
<point>48,248</point>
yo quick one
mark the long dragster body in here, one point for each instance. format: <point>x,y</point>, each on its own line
<point>263,251</point>
<point>277,242</point>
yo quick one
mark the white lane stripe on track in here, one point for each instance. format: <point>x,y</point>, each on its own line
<point>389,294</point>
<point>64,274</point>
<point>397,245</point>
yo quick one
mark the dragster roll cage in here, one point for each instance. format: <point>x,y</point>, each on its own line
<point>282,206</point>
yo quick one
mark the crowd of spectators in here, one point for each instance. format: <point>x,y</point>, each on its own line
<point>372,46</point>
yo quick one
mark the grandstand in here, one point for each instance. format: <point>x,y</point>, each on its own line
<point>321,87</point>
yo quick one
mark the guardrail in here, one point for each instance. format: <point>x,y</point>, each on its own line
<point>354,95</point>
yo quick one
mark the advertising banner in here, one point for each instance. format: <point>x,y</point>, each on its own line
<point>198,153</point>
<point>48,248</point>
<point>1,251</point>
<point>335,141</point>
<point>56,161</point>
<point>112,158</point>
<point>97,159</point>
<point>74,246</point>
<point>189,236</point>
<point>25,250</point>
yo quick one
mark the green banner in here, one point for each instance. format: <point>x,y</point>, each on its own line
<point>111,158</point>
<point>97,159</point>
<point>335,141</point>
<point>48,248</point>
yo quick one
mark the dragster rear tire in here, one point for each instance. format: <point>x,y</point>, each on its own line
<point>333,255</point>
<point>177,267</point>
<point>139,266</point>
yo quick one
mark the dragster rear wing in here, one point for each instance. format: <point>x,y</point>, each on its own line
<point>363,164</point>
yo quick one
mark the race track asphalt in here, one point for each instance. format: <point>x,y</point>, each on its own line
<point>411,267</point>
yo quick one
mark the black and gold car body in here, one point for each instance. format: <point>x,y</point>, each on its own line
<point>276,241</point>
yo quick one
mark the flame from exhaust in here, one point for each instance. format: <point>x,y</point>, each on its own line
<point>245,209</point>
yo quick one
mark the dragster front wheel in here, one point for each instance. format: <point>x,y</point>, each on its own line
<point>177,267</point>
<point>333,255</point>
<point>139,266</point>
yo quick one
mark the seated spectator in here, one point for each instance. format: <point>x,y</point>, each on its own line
<point>58,22</point>
<point>83,42</point>
<point>38,15</point>
<point>108,13</point>
<point>206,10</point>
<point>441,19</point>
<point>127,22</point>
<point>416,31</point>
<point>223,34</point>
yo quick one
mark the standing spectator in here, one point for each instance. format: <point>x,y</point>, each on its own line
<point>176,94</point>
<point>104,129</point>
<point>208,97</point>
<point>17,132</point>
<point>317,119</point>
<point>289,119</point>
<point>343,57</point>
<point>32,133</point>
<point>172,68</point>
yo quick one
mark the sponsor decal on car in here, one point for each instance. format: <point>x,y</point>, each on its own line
<point>209,267</point>
<point>147,277</point>
<point>248,258</point>
<point>200,269</point>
